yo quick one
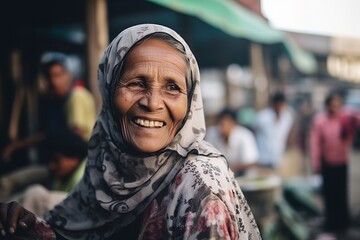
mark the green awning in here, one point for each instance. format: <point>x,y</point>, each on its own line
<point>237,21</point>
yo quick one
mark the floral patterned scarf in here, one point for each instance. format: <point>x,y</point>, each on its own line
<point>118,186</point>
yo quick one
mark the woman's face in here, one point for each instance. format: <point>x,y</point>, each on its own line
<point>151,97</point>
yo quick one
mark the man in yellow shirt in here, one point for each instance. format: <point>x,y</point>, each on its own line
<point>77,103</point>
<point>67,105</point>
<point>80,110</point>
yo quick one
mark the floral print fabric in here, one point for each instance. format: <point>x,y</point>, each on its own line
<point>215,211</point>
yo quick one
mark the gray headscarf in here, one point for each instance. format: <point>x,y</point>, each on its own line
<point>118,185</point>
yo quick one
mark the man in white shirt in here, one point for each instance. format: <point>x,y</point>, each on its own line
<point>237,143</point>
<point>272,129</point>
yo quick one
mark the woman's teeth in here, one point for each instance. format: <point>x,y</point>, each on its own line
<point>147,123</point>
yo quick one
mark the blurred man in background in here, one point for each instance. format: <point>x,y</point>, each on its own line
<point>272,127</point>
<point>66,105</point>
<point>235,141</point>
<point>330,141</point>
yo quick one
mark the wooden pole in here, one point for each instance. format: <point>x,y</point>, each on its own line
<point>261,83</point>
<point>98,38</point>
<point>16,72</point>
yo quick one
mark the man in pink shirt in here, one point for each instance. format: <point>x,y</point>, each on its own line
<point>330,141</point>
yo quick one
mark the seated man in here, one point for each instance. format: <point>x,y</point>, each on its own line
<point>66,165</point>
<point>236,142</point>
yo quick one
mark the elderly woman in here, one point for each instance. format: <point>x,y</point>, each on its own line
<point>150,174</point>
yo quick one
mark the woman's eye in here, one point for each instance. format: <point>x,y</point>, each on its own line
<point>136,84</point>
<point>173,87</point>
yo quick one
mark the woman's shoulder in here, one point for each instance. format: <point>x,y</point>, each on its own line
<point>205,200</point>
<point>205,171</point>
<point>206,164</point>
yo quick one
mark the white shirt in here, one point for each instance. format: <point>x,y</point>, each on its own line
<point>272,133</point>
<point>240,148</point>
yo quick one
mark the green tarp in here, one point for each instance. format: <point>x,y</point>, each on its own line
<point>237,21</point>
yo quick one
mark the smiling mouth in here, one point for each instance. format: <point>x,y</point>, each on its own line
<point>148,123</point>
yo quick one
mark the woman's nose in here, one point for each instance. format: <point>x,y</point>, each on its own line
<point>152,100</point>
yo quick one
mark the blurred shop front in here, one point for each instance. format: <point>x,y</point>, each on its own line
<point>338,61</point>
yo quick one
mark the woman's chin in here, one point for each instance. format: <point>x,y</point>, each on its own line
<point>148,148</point>
<point>147,140</point>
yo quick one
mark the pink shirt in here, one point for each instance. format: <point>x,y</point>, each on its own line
<point>331,137</point>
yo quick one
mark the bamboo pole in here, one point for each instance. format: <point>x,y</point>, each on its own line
<point>98,38</point>
<point>16,72</point>
<point>261,83</point>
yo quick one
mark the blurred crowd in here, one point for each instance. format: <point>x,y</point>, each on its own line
<point>300,146</point>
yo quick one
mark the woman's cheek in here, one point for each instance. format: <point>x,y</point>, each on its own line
<point>123,101</point>
<point>181,108</point>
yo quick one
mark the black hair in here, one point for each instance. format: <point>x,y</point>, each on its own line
<point>331,95</point>
<point>226,112</point>
<point>278,97</point>
<point>67,143</point>
<point>51,59</point>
